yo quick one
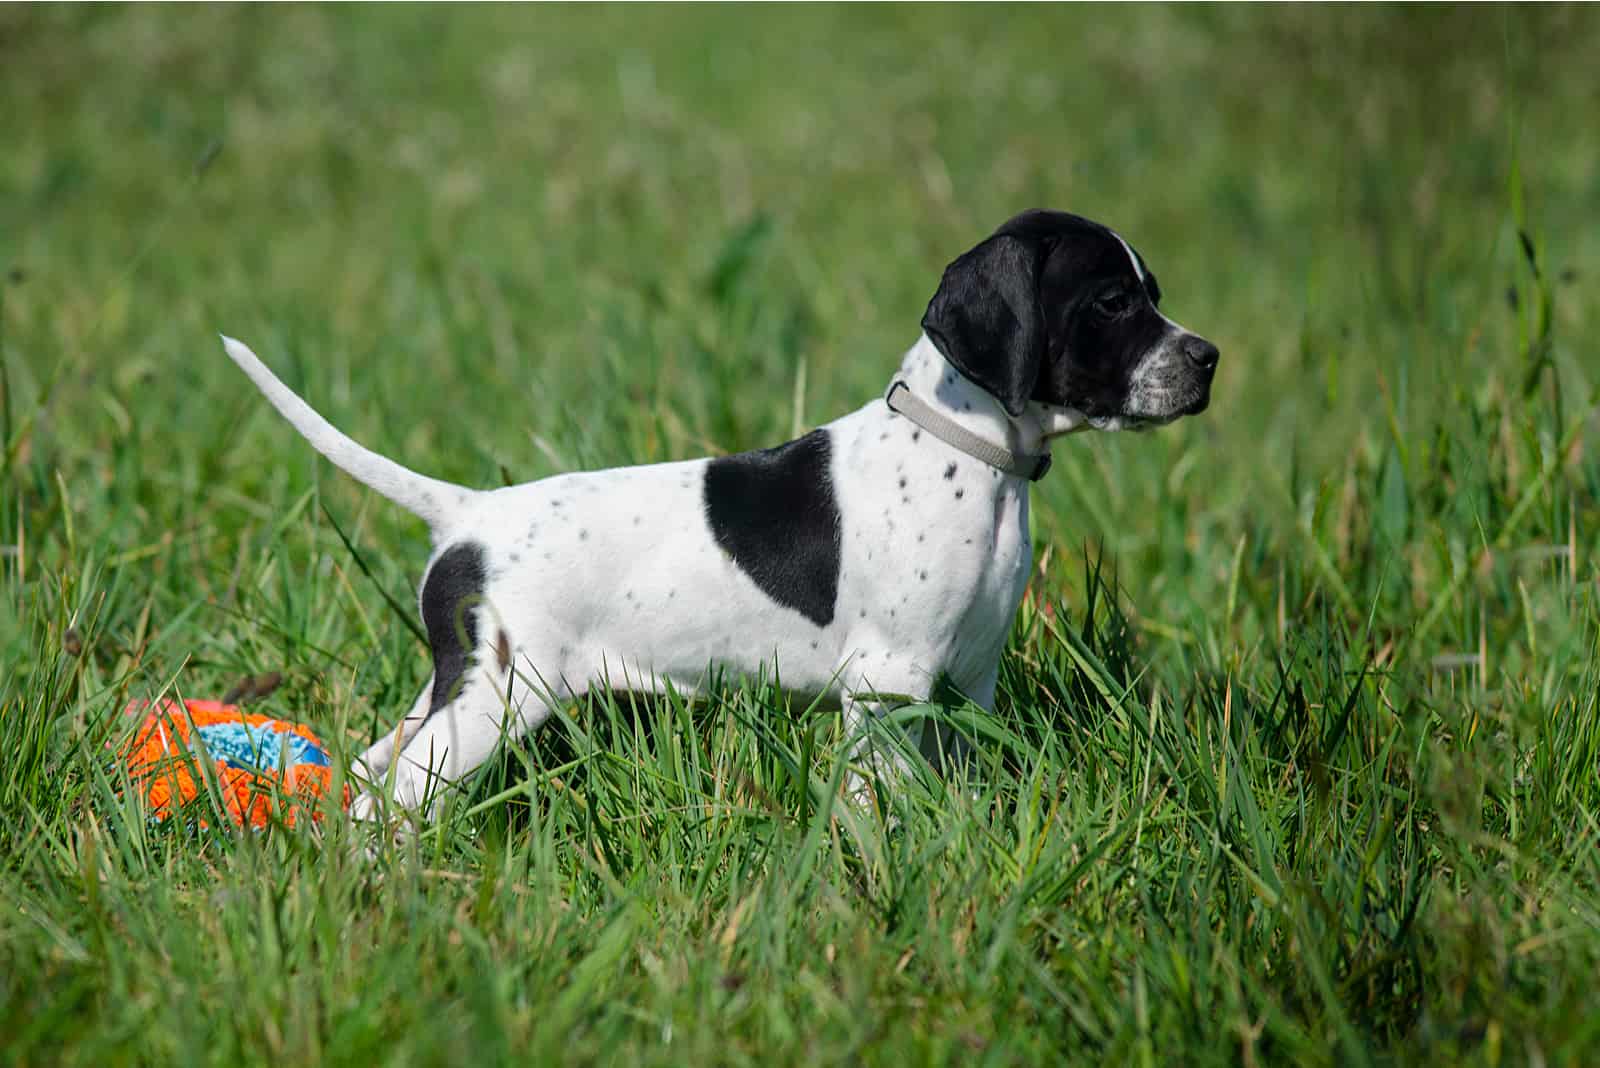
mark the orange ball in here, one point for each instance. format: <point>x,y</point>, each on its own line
<point>265,769</point>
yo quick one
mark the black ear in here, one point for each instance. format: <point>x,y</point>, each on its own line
<point>986,318</point>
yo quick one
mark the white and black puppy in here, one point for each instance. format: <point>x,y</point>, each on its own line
<point>879,554</point>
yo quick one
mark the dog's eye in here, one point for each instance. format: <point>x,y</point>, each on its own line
<point>1111,305</point>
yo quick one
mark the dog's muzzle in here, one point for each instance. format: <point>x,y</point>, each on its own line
<point>1174,380</point>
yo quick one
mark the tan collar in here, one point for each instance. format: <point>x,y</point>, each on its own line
<point>900,399</point>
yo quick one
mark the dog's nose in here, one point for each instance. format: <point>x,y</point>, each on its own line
<point>1202,353</point>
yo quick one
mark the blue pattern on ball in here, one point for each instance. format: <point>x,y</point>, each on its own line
<point>261,748</point>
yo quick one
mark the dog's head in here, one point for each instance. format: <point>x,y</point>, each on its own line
<point>1059,311</point>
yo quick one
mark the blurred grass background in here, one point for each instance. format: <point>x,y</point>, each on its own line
<point>503,243</point>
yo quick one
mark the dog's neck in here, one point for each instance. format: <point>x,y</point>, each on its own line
<point>932,378</point>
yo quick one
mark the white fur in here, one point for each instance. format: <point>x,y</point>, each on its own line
<point>1138,270</point>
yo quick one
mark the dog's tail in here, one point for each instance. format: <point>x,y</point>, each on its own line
<point>429,498</point>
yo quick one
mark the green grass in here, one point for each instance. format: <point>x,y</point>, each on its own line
<point>1296,754</point>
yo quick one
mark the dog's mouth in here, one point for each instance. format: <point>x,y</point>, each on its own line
<point>1135,423</point>
<point>1193,403</point>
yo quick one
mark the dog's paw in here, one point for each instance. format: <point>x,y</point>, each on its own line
<point>377,824</point>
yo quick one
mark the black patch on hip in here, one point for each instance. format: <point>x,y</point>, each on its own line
<point>774,512</point>
<point>450,597</point>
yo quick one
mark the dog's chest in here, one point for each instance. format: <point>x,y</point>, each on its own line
<point>1001,579</point>
<point>935,544</point>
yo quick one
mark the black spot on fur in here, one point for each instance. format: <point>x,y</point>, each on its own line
<point>450,597</point>
<point>950,472</point>
<point>773,511</point>
<point>960,494</point>
<point>902,483</point>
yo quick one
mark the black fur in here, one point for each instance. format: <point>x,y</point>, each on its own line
<point>986,318</point>
<point>1051,309</point>
<point>450,597</point>
<point>773,511</point>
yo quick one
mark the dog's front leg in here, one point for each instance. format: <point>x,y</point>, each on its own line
<point>948,742</point>
<point>881,749</point>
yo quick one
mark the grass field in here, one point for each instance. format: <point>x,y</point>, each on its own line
<point>1297,758</point>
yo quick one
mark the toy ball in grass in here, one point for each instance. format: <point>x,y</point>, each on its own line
<point>263,768</point>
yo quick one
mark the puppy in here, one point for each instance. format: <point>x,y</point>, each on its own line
<point>880,554</point>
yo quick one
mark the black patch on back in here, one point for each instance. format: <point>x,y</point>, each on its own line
<point>774,512</point>
<point>450,597</point>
